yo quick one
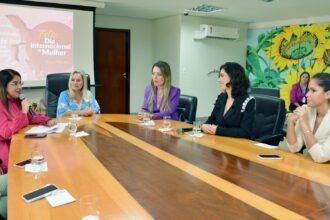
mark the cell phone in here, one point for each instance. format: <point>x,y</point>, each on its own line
<point>23,163</point>
<point>269,156</point>
<point>35,135</point>
<point>39,193</point>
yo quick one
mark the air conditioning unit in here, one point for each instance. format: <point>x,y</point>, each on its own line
<point>211,31</point>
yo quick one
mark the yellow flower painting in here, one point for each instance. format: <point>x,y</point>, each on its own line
<point>288,51</point>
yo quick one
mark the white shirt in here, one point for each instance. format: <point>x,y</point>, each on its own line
<point>320,152</point>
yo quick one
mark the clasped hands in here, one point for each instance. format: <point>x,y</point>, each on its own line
<point>209,129</point>
<point>87,112</point>
<point>300,114</point>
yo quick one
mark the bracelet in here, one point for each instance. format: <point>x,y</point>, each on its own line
<point>308,131</point>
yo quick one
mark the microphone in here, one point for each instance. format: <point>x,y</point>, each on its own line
<point>32,113</point>
<point>183,130</point>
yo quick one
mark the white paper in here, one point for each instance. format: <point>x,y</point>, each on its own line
<point>32,168</point>
<point>77,119</point>
<point>266,146</point>
<point>165,129</point>
<point>60,197</point>
<point>80,134</point>
<point>199,135</point>
<point>58,128</point>
<point>149,123</point>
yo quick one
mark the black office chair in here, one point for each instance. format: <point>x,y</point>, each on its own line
<point>55,84</point>
<point>187,108</point>
<point>265,91</point>
<point>269,119</point>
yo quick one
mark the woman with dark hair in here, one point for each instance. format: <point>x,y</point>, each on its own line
<point>160,97</point>
<point>233,112</point>
<point>14,113</point>
<point>299,91</point>
<point>308,125</point>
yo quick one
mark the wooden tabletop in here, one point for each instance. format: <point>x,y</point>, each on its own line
<point>139,172</point>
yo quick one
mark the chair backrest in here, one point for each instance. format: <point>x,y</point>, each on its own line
<point>270,115</point>
<point>55,84</point>
<point>187,108</point>
<point>265,91</point>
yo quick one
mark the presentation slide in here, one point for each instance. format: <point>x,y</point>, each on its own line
<point>37,41</point>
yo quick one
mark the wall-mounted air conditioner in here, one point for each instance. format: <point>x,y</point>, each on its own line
<point>211,31</point>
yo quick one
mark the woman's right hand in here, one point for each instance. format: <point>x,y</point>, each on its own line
<point>25,106</point>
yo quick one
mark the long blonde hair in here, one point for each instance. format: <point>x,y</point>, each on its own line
<point>165,70</point>
<point>84,92</point>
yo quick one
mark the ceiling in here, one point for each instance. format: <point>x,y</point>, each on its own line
<point>247,11</point>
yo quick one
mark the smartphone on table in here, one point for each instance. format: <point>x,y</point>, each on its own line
<point>39,193</point>
<point>269,156</point>
<point>23,163</point>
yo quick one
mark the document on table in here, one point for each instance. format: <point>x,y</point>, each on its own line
<point>266,146</point>
<point>60,197</point>
<point>58,128</point>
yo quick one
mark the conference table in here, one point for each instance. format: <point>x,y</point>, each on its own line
<point>139,172</point>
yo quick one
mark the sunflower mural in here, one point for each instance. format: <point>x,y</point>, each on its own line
<point>283,53</point>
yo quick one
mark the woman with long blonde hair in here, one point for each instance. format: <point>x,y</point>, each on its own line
<point>160,97</point>
<point>77,99</point>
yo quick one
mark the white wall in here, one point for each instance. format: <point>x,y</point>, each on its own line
<point>198,57</point>
<point>141,53</point>
<point>166,44</point>
<point>171,39</point>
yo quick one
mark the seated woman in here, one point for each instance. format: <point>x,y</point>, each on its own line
<point>160,98</point>
<point>309,125</point>
<point>299,91</point>
<point>77,99</point>
<point>14,113</point>
<point>233,112</point>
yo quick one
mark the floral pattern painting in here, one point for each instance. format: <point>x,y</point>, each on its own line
<point>276,57</point>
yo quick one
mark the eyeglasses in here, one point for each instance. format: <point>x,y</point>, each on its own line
<point>16,83</point>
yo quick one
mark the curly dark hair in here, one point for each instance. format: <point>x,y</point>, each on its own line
<point>239,82</point>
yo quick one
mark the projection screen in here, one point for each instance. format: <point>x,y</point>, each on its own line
<point>37,41</point>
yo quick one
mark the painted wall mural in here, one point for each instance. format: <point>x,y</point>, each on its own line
<point>276,57</point>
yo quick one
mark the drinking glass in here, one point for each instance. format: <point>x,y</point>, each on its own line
<point>166,122</point>
<point>37,158</point>
<point>89,207</point>
<point>197,127</point>
<point>72,126</point>
<point>74,117</point>
<point>146,117</point>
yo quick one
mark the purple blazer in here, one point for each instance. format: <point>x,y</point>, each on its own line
<point>296,94</point>
<point>170,110</point>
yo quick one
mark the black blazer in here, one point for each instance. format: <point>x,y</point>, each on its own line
<point>238,121</point>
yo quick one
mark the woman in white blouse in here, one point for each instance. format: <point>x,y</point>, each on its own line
<point>309,125</point>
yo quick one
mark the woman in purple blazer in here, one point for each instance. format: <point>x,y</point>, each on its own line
<point>299,91</point>
<point>160,98</point>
